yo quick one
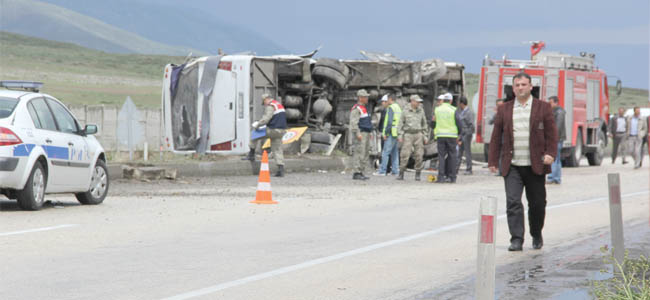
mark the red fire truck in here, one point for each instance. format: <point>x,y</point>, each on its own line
<point>575,80</point>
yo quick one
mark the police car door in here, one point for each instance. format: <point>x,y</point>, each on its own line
<point>76,163</point>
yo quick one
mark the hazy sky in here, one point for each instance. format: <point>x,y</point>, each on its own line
<point>464,31</point>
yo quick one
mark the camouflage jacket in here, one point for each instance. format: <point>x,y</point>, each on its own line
<point>412,121</point>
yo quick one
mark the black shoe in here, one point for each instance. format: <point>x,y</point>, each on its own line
<point>441,180</point>
<point>357,176</point>
<point>468,172</point>
<point>538,242</point>
<point>280,172</point>
<point>401,175</point>
<point>250,156</point>
<point>450,180</point>
<point>417,175</point>
<point>515,246</point>
<point>364,177</point>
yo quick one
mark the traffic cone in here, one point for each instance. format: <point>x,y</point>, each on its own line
<point>263,195</point>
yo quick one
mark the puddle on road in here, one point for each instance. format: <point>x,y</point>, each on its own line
<point>563,273</point>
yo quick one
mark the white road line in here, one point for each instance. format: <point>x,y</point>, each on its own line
<point>318,261</point>
<point>38,229</point>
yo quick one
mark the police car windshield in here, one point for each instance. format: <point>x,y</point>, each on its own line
<point>7,106</point>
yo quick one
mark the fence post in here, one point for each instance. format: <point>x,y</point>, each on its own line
<point>616,216</point>
<point>486,271</point>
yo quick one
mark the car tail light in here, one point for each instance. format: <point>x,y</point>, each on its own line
<point>221,147</point>
<point>8,137</point>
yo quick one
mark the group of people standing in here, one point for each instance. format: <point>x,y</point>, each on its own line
<point>405,132</point>
<point>628,135</point>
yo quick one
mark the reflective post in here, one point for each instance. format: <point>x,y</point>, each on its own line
<point>616,216</point>
<point>485,272</point>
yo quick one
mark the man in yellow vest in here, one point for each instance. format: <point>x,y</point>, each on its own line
<point>446,132</point>
<point>389,134</point>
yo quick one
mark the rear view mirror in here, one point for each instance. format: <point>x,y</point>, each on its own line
<point>90,129</point>
<point>619,87</point>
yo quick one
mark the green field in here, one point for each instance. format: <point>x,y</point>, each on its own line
<point>78,75</point>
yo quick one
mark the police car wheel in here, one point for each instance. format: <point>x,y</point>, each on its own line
<point>98,186</point>
<point>32,196</point>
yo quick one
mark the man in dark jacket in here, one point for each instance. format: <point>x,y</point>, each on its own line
<point>466,116</point>
<point>618,133</point>
<point>525,135</point>
<point>556,168</point>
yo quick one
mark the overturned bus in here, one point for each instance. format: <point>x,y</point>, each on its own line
<point>210,102</point>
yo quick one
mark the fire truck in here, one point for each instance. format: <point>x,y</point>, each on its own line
<point>578,83</point>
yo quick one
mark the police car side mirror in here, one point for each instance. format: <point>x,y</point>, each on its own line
<point>90,129</point>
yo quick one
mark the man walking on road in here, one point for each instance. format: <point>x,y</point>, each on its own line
<point>558,114</point>
<point>389,134</point>
<point>618,132</point>
<point>446,133</point>
<point>467,123</point>
<point>360,129</point>
<point>637,130</point>
<point>525,134</point>
<point>412,130</point>
<point>276,125</point>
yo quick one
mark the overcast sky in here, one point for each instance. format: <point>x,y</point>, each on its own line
<point>464,31</point>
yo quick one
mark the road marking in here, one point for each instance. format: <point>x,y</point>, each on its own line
<point>318,261</point>
<point>38,229</point>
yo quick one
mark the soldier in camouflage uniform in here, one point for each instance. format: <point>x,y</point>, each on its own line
<point>412,130</point>
<point>276,125</point>
<point>360,129</point>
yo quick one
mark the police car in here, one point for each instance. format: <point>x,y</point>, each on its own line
<point>43,149</point>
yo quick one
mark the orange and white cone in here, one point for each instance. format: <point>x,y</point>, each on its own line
<point>263,195</point>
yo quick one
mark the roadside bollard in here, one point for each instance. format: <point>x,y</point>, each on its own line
<point>616,216</point>
<point>485,273</point>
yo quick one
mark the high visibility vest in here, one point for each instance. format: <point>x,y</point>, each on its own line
<point>365,123</point>
<point>279,119</point>
<point>445,121</point>
<point>397,112</point>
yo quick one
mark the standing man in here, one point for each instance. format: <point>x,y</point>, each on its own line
<point>275,120</point>
<point>412,130</point>
<point>558,115</point>
<point>637,130</point>
<point>360,129</point>
<point>618,132</point>
<point>446,132</point>
<point>389,134</point>
<point>467,124</point>
<point>528,146</point>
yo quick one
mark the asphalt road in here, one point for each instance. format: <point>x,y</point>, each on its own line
<point>328,238</point>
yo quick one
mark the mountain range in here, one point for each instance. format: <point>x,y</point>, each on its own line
<point>131,26</point>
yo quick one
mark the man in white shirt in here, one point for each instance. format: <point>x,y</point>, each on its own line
<point>637,129</point>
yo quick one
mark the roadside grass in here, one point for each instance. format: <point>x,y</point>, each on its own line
<point>630,281</point>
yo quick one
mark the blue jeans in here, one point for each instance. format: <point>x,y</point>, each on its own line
<point>556,167</point>
<point>390,149</point>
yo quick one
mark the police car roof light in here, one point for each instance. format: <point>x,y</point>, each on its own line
<point>32,86</point>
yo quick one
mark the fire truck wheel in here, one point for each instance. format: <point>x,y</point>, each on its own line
<point>576,153</point>
<point>596,158</point>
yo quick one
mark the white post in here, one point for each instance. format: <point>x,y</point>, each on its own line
<point>145,151</point>
<point>486,271</point>
<point>616,216</point>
